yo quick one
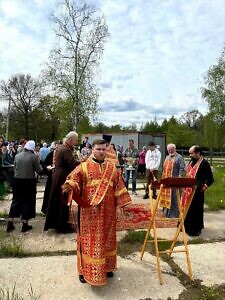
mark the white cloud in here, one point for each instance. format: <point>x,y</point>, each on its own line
<point>155,58</point>
<point>166,46</point>
<point>24,40</point>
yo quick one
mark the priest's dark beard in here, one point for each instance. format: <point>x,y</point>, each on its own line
<point>194,160</point>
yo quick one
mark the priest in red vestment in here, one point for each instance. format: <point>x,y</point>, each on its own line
<point>99,190</point>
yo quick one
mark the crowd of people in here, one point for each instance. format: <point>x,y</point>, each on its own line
<point>96,175</point>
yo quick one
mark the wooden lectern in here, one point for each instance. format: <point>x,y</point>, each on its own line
<point>176,183</point>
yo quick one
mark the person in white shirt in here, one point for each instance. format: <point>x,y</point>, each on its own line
<point>152,161</point>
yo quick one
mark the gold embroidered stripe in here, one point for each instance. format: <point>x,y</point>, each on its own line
<point>72,182</point>
<point>84,168</point>
<point>97,261</point>
<point>94,261</point>
<point>110,253</point>
<point>96,182</point>
<point>120,192</point>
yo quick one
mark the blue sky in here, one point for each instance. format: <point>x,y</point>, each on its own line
<point>153,64</point>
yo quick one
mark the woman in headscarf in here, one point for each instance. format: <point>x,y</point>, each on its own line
<point>23,205</point>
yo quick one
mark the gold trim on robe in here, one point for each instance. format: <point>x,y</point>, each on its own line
<point>165,196</point>
<point>96,239</point>
<point>111,155</point>
<point>191,173</point>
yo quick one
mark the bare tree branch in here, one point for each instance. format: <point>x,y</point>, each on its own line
<point>81,33</point>
<point>24,93</point>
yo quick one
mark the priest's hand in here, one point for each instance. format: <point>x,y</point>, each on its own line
<point>66,188</point>
<point>119,213</point>
<point>204,187</point>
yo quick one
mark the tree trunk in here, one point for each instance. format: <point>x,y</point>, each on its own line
<point>26,125</point>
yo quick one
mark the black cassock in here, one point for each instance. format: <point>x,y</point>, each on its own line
<point>194,221</point>
<point>48,162</point>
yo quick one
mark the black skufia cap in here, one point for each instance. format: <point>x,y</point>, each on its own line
<point>107,137</point>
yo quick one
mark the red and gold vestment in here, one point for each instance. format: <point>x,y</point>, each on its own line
<point>165,196</point>
<point>191,173</point>
<point>111,155</point>
<point>98,188</point>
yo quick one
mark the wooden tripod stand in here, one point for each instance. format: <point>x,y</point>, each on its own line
<point>177,184</point>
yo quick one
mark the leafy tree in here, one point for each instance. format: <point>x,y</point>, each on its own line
<point>214,94</point>
<point>164,126</point>
<point>50,106</point>
<point>39,126</point>
<point>115,128</point>
<point>210,131</point>
<point>100,128</point>
<point>130,128</point>
<point>3,117</point>
<point>214,91</point>
<point>84,126</point>
<point>213,132</point>
<point>178,134</point>
<point>23,93</point>
<point>44,121</point>
<point>194,122</point>
<point>193,119</point>
<point>16,125</point>
<point>151,126</point>
<point>81,33</point>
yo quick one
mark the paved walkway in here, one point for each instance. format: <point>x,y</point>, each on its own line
<point>55,277</point>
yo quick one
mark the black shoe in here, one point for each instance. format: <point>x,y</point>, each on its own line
<point>145,196</point>
<point>109,274</point>
<point>81,278</point>
<point>154,196</point>
<point>197,233</point>
<point>10,226</point>
<point>26,227</point>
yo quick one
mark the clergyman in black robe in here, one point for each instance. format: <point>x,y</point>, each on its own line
<point>58,211</point>
<point>194,221</point>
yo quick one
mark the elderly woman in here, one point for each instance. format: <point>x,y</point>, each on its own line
<point>58,212</point>
<point>24,189</point>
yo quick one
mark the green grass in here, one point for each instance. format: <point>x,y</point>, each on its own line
<point>134,240</point>
<point>209,293</point>
<point>133,236</point>
<point>4,214</point>
<point>215,195</point>
<point>7,294</point>
<point>198,292</point>
<point>10,246</point>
